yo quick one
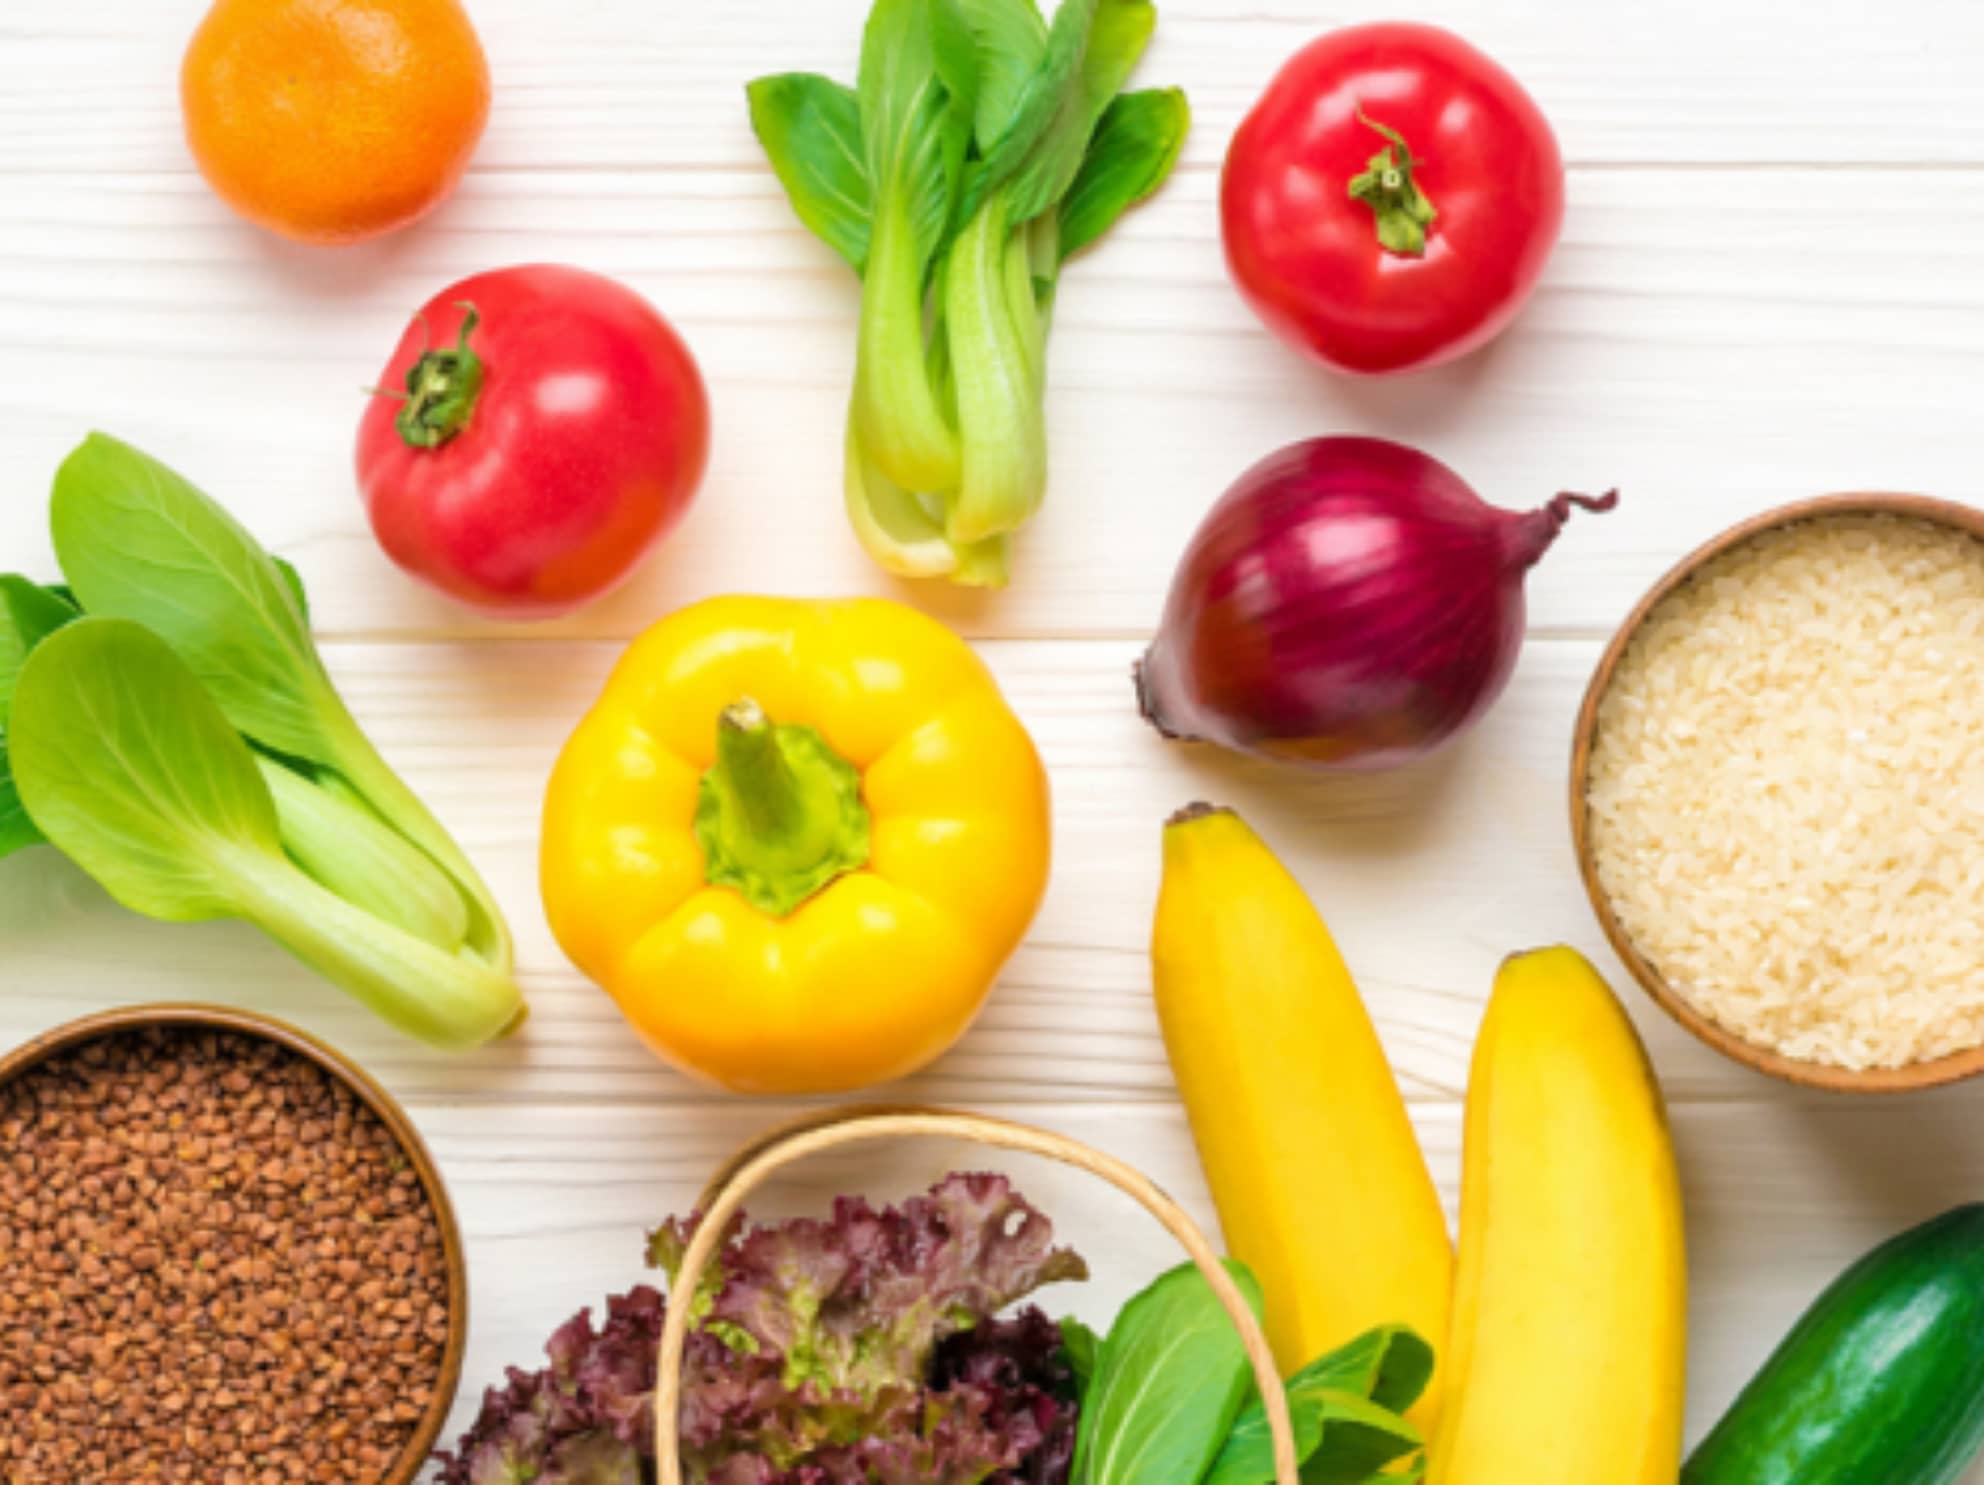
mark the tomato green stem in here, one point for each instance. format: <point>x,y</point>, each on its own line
<point>441,390</point>
<point>780,812</point>
<point>1386,185</point>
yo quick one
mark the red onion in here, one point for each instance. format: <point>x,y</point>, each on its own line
<point>1350,603</point>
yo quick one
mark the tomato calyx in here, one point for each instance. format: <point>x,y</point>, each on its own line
<point>1401,209</point>
<point>441,388</point>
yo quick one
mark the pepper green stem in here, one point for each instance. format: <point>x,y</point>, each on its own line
<point>1402,210</point>
<point>441,390</point>
<point>779,815</point>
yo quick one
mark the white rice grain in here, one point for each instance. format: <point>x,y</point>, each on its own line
<point>1787,790</point>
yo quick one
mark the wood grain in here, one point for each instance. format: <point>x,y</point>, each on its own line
<point>588,83</point>
<point>1428,878</point>
<point>1714,339</point>
<point>1766,290</point>
<point>1706,373</point>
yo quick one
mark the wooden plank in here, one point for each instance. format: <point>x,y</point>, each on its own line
<point>1766,289</point>
<point>1428,878</point>
<point>1709,373</point>
<point>91,88</point>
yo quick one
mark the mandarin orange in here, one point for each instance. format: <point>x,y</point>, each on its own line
<point>330,121</point>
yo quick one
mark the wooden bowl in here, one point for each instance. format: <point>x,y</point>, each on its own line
<point>1950,1069</point>
<point>420,1444</point>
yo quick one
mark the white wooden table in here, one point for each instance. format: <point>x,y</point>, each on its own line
<point>1769,286</point>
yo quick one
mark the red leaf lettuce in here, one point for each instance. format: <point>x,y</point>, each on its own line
<point>855,1351</point>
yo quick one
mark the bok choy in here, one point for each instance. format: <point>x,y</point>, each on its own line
<point>167,723</point>
<point>980,148</point>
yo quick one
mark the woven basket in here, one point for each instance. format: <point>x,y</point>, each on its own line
<point>751,1166</point>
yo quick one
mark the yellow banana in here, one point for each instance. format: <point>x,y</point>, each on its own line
<point>1567,1353</point>
<point>1319,1181</point>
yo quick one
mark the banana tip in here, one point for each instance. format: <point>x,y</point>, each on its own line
<point>1197,810</point>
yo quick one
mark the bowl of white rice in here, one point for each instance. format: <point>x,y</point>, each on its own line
<point>1777,792</point>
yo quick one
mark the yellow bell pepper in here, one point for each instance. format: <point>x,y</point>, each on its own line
<point>796,841</point>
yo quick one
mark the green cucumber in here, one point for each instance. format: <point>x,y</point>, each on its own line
<point>1881,1382</point>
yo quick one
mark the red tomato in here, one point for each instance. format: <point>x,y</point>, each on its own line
<point>1310,184</point>
<point>554,429</point>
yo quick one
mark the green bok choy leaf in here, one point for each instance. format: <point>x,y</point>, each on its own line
<point>136,541</point>
<point>181,741</point>
<point>1169,1383</point>
<point>131,769</point>
<point>1168,1398</point>
<point>1346,1408</point>
<point>29,613</point>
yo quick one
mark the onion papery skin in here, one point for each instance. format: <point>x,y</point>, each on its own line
<point>1350,603</point>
